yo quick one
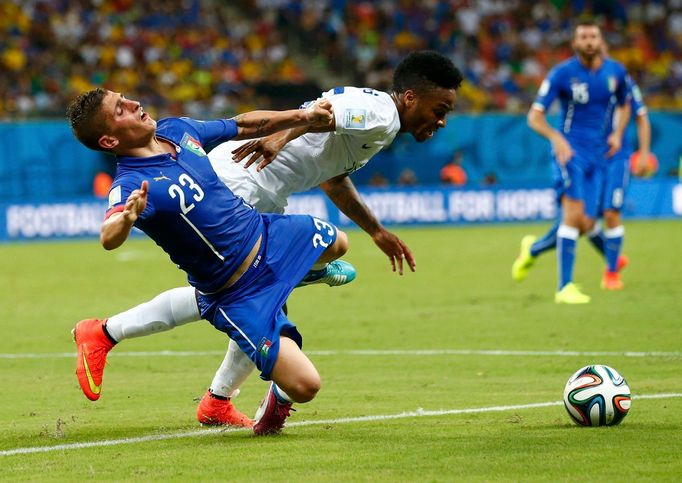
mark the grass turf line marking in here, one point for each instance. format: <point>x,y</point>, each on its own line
<point>369,352</point>
<point>358,419</point>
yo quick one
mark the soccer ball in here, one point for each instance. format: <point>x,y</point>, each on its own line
<point>651,165</point>
<point>597,396</point>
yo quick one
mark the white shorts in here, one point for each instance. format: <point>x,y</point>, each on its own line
<point>241,181</point>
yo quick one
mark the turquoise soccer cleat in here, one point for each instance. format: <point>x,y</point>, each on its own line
<point>334,274</point>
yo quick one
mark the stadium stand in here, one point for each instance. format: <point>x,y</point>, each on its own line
<point>209,58</point>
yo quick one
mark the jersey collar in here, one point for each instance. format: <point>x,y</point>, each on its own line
<point>133,161</point>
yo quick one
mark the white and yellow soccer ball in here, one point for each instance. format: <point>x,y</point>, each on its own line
<point>597,395</point>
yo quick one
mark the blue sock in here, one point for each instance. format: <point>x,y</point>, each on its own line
<point>597,238</point>
<point>567,237</point>
<point>547,242</point>
<point>614,243</point>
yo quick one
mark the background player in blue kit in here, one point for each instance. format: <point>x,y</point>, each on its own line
<point>589,88</point>
<point>242,264</point>
<point>616,177</point>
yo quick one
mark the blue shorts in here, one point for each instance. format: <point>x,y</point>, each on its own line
<point>580,179</point>
<point>616,180</point>
<point>250,311</point>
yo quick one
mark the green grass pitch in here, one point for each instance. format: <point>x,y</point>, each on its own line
<point>364,339</point>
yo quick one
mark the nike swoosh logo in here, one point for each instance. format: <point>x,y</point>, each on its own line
<point>366,146</point>
<point>91,382</point>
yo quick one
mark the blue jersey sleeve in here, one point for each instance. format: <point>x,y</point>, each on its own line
<point>635,97</point>
<point>549,90</point>
<point>215,132</point>
<point>623,90</point>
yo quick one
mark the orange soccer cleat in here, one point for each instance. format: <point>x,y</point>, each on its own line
<point>214,411</point>
<point>93,346</point>
<point>623,261</point>
<point>611,281</point>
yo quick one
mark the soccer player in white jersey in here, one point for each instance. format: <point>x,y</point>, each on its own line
<point>365,121</point>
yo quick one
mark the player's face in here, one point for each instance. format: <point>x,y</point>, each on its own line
<point>587,42</point>
<point>128,126</point>
<point>425,113</point>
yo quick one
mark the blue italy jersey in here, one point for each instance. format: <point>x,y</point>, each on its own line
<point>206,230</point>
<point>588,99</point>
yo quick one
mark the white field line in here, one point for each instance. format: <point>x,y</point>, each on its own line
<point>369,352</point>
<point>359,419</point>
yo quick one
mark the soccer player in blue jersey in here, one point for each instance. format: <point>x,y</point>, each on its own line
<point>589,88</point>
<point>242,264</point>
<point>608,242</point>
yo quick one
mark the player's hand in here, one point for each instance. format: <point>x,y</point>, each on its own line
<point>320,113</point>
<point>562,150</point>
<point>395,249</point>
<point>266,148</point>
<point>136,203</point>
<point>615,142</point>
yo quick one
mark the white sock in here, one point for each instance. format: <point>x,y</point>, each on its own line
<point>173,307</point>
<point>232,373</point>
<point>281,396</point>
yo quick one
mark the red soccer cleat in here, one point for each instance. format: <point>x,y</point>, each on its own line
<point>271,414</point>
<point>220,412</point>
<point>93,346</point>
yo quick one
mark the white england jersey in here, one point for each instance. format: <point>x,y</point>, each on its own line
<point>366,122</point>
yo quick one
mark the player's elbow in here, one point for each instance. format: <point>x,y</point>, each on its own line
<point>108,242</point>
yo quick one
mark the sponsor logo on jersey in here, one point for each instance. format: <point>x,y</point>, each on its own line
<point>354,118</point>
<point>193,145</point>
<point>114,196</point>
<point>162,177</point>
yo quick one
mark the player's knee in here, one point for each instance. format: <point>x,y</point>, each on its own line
<point>306,388</point>
<point>341,244</point>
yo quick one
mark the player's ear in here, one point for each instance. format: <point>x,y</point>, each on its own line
<point>409,98</point>
<point>107,142</point>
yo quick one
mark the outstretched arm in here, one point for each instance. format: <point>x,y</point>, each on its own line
<point>262,123</point>
<point>343,194</point>
<point>268,147</point>
<point>116,229</point>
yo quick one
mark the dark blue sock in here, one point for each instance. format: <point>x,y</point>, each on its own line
<point>614,243</point>
<point>567,237</point>
<point>547,242</point>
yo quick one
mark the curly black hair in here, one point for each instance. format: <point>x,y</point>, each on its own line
<point>86,118</point>
<point>424,70</point>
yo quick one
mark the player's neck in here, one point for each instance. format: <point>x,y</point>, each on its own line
<point>592,63</point>
<point>154,147</point>
<point>399,105</point>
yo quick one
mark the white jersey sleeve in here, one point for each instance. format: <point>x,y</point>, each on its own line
<point>361,111</point>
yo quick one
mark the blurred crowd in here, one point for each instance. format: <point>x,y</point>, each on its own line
<point>209,58</point>
<point>182,57</point>
<point>504,47</point>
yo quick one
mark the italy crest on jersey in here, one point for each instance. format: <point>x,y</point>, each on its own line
<point>193,145</point>
<point>613,84</point>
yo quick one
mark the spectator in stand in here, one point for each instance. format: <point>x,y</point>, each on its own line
<point>452,172</point>
<point>378,180</point>
<point>407,178</point>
